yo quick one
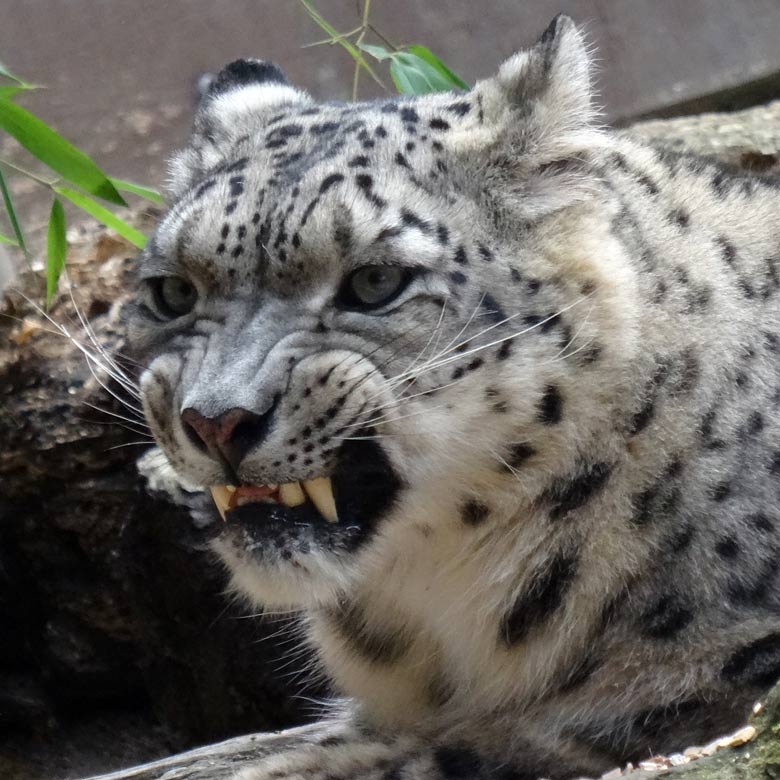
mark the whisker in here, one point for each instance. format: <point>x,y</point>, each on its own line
<point>383,419</point>
<point>579,330</point>
<point>465,327</point>
<point>100,357</point>
<point>132,420</point>
<point>130,444</point>
<point>430,338</point>
<point>137,431</point>
<point>128,405</point>
<point>399,399</point>
<point>496,342</point>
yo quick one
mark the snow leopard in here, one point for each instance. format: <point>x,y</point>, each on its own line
<point>488,393</point>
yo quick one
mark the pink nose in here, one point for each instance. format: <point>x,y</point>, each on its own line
<point>228,437</point>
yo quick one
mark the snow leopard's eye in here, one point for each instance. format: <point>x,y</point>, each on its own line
<point>373,286</point>
<point>173,296</point>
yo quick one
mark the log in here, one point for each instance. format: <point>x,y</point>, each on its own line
<point>223,760</point>
<point>111,607</point>
<point>108,597</point>
<point>751,754</point>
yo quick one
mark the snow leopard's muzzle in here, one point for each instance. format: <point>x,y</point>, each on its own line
<point>299,480</point>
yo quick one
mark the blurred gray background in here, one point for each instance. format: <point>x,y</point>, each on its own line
<point>122,75</point>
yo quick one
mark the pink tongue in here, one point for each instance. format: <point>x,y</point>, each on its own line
<point>253,492</point>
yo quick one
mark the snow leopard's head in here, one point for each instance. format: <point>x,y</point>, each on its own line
<point>365,323</point>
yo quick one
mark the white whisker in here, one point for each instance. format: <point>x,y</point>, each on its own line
<point>496,342</point>
<point>146,443</point>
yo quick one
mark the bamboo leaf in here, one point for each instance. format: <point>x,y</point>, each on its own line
<point>53,150</point>
<point>6,93</point>
<point>5,73</point>
<point>377,52</point>
<point>8,240</point>
<point>56,249</point>
<point>413,75</point>
<point>425,54</point>
<point>103,215</point>
<point>9,208</point>
<point>137,189</point>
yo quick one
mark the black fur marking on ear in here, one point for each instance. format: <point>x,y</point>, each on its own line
<point>239,73</point>
<point>550,38</point>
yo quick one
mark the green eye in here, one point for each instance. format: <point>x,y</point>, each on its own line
<point>373,286</point>
<point>173,296</point>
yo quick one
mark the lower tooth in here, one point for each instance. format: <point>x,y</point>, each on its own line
<point>290,494</point>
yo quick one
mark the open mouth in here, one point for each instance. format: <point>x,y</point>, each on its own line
<point>343,506</point>
<point>318,492</point>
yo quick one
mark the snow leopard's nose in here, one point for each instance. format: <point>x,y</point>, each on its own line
<point>229,436</point>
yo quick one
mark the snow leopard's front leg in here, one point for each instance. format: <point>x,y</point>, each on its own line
<point>348,752</point>
<point>370,759</point>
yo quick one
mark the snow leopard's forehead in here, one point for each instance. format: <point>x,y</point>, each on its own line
<point>311,184</point>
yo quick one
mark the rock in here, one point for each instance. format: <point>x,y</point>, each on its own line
<point>109,598</point>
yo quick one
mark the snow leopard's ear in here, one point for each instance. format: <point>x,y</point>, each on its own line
<point>541,100</point>
<point>233,104</point>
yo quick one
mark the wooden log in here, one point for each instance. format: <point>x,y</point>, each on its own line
<point>220,761</point>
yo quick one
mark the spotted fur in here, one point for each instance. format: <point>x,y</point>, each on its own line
<point>572,558</point>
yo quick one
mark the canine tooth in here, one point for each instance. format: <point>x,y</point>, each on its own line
<point>320,491</point>
<point>291,494</point>
<point>221,495</point>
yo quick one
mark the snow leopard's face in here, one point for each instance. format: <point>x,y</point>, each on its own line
<point>356,316</point>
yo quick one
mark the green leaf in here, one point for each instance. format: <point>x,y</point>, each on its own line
<point>102,214</point>
<point>137,189</point>
<point>56,249</point>
<point>6,93</point>
<point>53,150</point>
<point>9,208</point>
<point>424,53</point>
<point>5,73</point>
<point>8,240</point>
<point>413,75</point>
<point>377,52</point>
